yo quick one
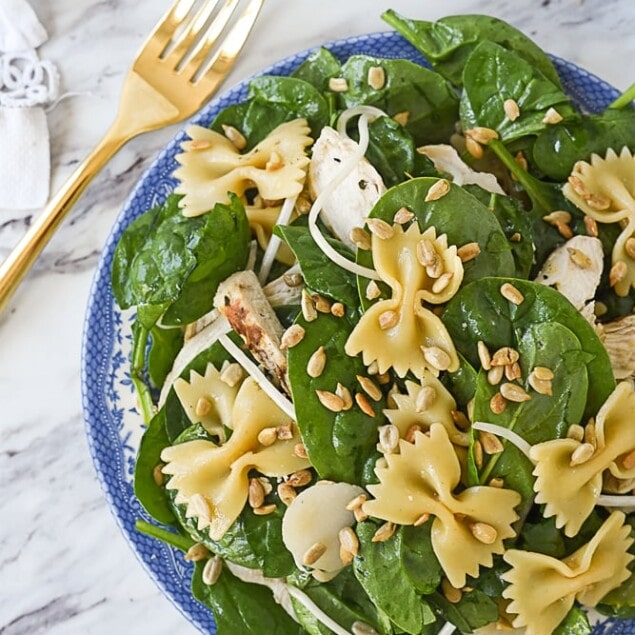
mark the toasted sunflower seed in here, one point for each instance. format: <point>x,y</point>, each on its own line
<point>212,570</point>
<point>552,116</point>
<point>495,375</point>
<point>451,594</point>
<point>285,432</point>
<point>338,84</point>
<point>422,520</point>
<point>157,474</point>
<point>200,144</point>
<point>313,554</point>
<point>411,433</point>
<point>426,253</point>
<point>402,117</point>
<point>380,228</point>
<point>203,407</point>
<point>497,482</point>
<point>372,291</point>
<point>436,357</point>
<point>317,362</point>
<point>265,510</point>
<point>268,436</point>
<point>542,372</point>
<point>581,454</point>
<point>292,336</point>
<point>564,230</point>
<point>345,394</point>
<point>348,540</point>
<point>441,283</point>
<point>403,215</point>
<point>578,186</point>
<point>286,493</point>
<point>293,279</point>
<point>511,293</point>
<point>361,628</point>
<point>438,190</point>
<point>361,238</point>
<point>330,400</point>
<point>477,449</point>
<point>628,460</point>
<point>559,216</point>
<point>513,372</point>
<point>468,252</point>
<point>591,226</point>
<point>484,533</point>
<point>357,502</point>
<point>388,319</point>
<point>196,553</point>
<point>505,356</point>
<point>460,419</point>
<point>579,258</point>
<point>321,303</point>
<point>369,387</point>
<point>521,160</point>
<point>598,202</point>
<point>481,135</point>
<point>363,404</point>
<point>514,392</point>
<point>300,478</point>
<point>497,404</point>
<point>235,136</point>
<point>576,432</point>
<point>308,308</point>
<point>256,493</point>
<point>338,309</point>
<point>629,247</point>
<point>541,386</point>
<point>384,533</point>
<point>490,442</point>
<point>474,148</point>
<point>232,374</point>
<point>376,77</point>
<point>484,355</point>
<point>512,111</point>
<point>388,439</point>
<point>618,272</point>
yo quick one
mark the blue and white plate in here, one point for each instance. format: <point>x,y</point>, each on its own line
<point>113,425</point>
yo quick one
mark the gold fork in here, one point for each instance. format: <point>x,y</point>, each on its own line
<point>173,75</point>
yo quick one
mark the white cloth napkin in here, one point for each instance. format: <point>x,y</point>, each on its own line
<point>27,84</point>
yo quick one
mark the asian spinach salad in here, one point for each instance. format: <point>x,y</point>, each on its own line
<point>385,346</point>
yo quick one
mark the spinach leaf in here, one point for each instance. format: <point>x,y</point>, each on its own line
<point>378,569</point>
<point>165,258</point>
<point>431,103</point>
<point>152,496</point>
<point>515,223</point>
<point>342,445</point>
<point>318,68</point>
<point>391,150</point>
<point>493,74</point>
<point>165,345</point>
<point>295,96</point>
<point>320,273</point>
<point>459,215</point>
<point>558,147</point>
<point>418,559</point>
<point>275,100</point>
<point>447,43</point>
<point>345,601</point>
<point>235,602</point>
<point>576,622</point>
<point>543,417</point>
<point>474,610</point>
<point>461,383</point>
<point>479,312</point>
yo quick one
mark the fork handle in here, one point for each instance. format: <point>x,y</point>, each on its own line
<point>25,253</point>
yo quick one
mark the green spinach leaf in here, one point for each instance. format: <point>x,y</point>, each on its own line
<point>378,569</point>
<point>459,215</point>
<point>491,75</point>
<point>448,42</point>
<point>559,147</point>
<point>165,343</point>
<point>318,68</point>
<point>576,622</point>
<point>409,88</point>
<point>342,445</point>
<point>236,602</point>
<point>474,610</point>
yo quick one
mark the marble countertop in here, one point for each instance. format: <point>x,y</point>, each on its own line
<point>64,567</point>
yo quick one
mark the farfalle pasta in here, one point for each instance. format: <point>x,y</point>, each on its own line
<point>542,589</point>
<point>396,333</point>
<point>569,490</point>
<point>438,408</point>
<point>468,527</point>
<point>207,400</point>
<point>211,166</point>
<point>604,189</point>
<point>212,480</point>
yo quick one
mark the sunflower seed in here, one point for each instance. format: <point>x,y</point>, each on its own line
<point>268,436</point>
<point>628,461</point>
<point>403,215</point>
<point>591,226</point>
<point>157,474</point>
<point>422,520</point>
<point>497,404</point>
<point>348,540</point>
<point>441,283</point>
<point>559,216</point>
<point>196,553</point>
<point>564,230</point>
<point>497,482</point>
<point>598,202</point>
<point>402,117</point>
<point>411,433</point>
<point>232,374</point>
<point>481,135</point>
<point>581,454</point>
<point>477,450</point>
<point>474,148</point>
<point>484,533</point>
<point>521,160</point>
<point>388,439</point>
<point>484,355</point>
<point>468,252</point>
<point>265,510</point>
<point>511,293</point>
<point>313,554</point>
<point>357,502</point>
<point>514,392</point>
<point>513,372</point>
<point>576,432</point>
<point>338,309</point>
<point>360,238</point>
<point>330,400</point>
<point>425,398</point>
<point>380,228</point>
<point>495,375</point>
<point>552,116</point>
<point>317,362</point>
<point>256,493</point>
<point>542,372</point>
<point>618,272</point>
<point>286,493</point>
<point>200,144</point>
<point>369,387</point>
<point>235,136</point>
<point>451,594</point>
<point>338,84</point>
<point>285,432</point>
<point>292,336</point>
<point>384,533</point>
<point>203,407</point>
<point>363,404</point>
<point>426,253</point>
<point>438,190</point>
<point>372,291</point>
<point>300,478</point>
<point>629,247</point>
<point>490,442</point>
<point>212,570</point>
<point>376,77</point>
<point>436,357</point>
<point>541,386</point>
<point>579,258</point>
<point>308,308</point>
<point>512,111</point>
<point>505,356</point>
<point>361,628</point>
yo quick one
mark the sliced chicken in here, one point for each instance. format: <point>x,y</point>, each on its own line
<point>287,289</point>
<point>618,338</point>
<point>574,269</point>
<point>348,205</point>
<point>243,303</point>
<point>447,159</point>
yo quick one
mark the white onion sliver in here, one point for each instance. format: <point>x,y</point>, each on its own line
<point>316,208</point>
<point>371,113</point>
<point>616,501</point>
<point>274,242</point>
<point>506,433</point>
<point>280,400</point>
<point>448,629</point>
<point>317,612</point>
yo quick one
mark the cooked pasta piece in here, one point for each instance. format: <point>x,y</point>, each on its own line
<point>542,589</point>
<point>401,333</point>
<point>468,527</point>
<point>604,189</point>
<point>207,400</point>
<point>211,166</point>
<point>570,492</point>
<point>426,403</point>
<point>262,220</point>
<point>212,480</point>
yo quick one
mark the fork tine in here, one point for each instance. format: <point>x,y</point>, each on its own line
<point>189,35</point>
<point>214,30</point>
<point>211,72</point>
<point>163,32</point>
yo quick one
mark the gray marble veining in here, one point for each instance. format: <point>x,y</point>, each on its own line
<point>64,567</point>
